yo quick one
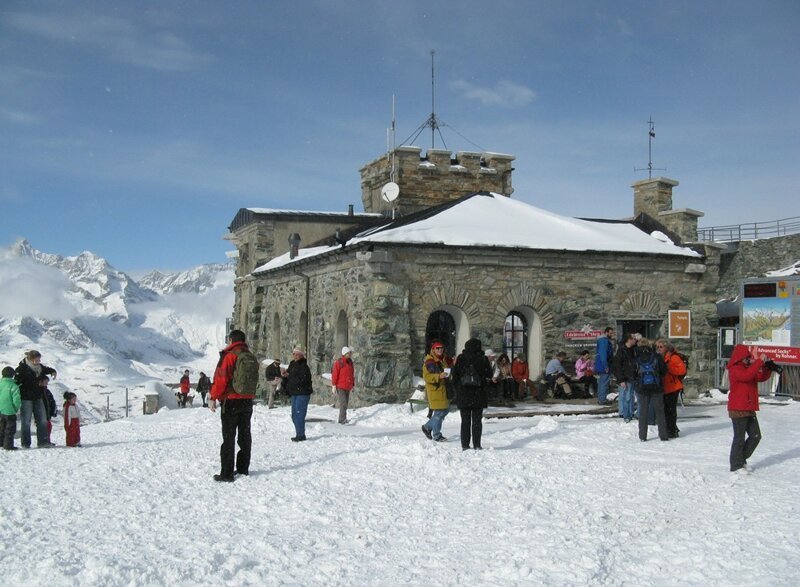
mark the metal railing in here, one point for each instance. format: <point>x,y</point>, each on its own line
<point>749,231</point>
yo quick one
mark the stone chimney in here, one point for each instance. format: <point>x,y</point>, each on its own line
<point>294,245</point>
<point>654,197</point>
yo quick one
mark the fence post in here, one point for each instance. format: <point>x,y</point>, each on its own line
<point>126,402</point>
<point>108,408</point>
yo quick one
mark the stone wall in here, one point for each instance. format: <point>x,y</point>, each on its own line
<point>753,258</point>
<point>388,294</point>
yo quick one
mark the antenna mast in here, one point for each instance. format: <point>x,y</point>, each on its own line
<point>650,136</point>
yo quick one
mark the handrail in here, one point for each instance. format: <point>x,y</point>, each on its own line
<point>749,231</point>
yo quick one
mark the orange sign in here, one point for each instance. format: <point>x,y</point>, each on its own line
<point>680,324</point>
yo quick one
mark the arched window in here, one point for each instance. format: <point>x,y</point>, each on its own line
<point>515,335</point>
<point>442,327</point>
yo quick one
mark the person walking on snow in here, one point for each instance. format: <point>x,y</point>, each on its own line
<point>434,374</point>
<point>343,379</point>
<point>470,375</point>
<point>298,385</point>
<point>203,387</point>
<point>185,387</point>
<point>745,372</point>
<point>236,407</point>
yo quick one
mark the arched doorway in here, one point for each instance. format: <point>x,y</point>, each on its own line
<point>448,324</point>
<point>522,333</point>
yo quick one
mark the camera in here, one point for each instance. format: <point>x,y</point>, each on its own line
<point>773,366</point>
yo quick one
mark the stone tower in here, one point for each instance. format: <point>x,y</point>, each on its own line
<point>434,179</point>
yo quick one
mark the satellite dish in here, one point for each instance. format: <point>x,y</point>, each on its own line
<point>390,191</point>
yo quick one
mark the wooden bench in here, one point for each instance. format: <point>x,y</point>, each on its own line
<point>416,402</point>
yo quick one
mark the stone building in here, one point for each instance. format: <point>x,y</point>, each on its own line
<point>465,259</point>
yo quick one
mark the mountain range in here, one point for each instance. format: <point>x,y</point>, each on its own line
<point>104,331</point>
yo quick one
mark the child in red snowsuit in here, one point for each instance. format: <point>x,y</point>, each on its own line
<point>72,419</point>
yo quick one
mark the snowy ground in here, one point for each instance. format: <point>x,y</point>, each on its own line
<point>574,500</point>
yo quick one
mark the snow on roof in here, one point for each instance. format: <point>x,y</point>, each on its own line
<point>309,212</point>
<point>786,271</point>
<point>493,220</point>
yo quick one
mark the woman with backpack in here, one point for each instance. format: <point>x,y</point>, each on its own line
<point>649,390</point>
<point>673,383</point>
<point>470,375</point>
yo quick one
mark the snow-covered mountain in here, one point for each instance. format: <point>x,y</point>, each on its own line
<point>105,331</point>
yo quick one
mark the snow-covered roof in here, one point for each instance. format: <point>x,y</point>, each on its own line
<point>493,220</point>
<point>277,212</point>
<point>793,269</point>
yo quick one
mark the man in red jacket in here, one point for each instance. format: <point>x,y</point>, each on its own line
<point>236,409</point>
<point>343,379</point>
<point>744,372</point>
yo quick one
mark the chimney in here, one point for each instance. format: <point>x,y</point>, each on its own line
<point>294,245</point>
<point>350,209</point>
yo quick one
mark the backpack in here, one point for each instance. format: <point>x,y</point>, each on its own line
<point>685,360</point>
<point>470,377</point>
<point>648,374</point>
<point>245,373</point>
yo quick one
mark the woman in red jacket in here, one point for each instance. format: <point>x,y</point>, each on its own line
<point>744,372</point>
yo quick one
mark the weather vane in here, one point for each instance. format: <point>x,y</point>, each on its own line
<point>651,135</point>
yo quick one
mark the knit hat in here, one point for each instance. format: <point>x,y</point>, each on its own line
<point>346,350</point>
<point>297,349</point>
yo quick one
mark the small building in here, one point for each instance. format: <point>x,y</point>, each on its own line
<point>465,259</point>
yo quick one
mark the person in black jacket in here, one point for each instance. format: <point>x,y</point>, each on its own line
<point>50,408</point>
<point>27,377</point>
<point>647,393</point>
<point>297,383</point>
<point>470,375</point>
<point>203,387</point>
<point>626,373</point>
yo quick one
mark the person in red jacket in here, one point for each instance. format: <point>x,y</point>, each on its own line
<point>343,379</point>
<point>236,410</point>
<point>672,382</point>
<point>744,373</point>
<point>185,386</point>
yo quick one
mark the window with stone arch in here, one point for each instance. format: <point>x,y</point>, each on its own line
<point>441,326</point>
<point>515,335</point>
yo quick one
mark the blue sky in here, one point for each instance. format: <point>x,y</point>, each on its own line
<point>137,130</point>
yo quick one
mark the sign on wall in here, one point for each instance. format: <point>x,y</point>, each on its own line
<point>680,324</point>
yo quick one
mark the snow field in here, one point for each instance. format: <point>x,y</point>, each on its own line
<point>574,500</point>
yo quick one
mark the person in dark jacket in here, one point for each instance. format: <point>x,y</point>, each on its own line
<point>236,412</point>
<point>470,375</point>
<point>625,370</point>
<point>203,387</point>
<point>272,374</point>
<point>744,372</point>
<point>27,377</point>
<point>50,408</point>
<point>650,393</point>
<point>297,383</point>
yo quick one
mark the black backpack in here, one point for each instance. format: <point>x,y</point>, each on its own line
<point>470,377</point>
<point>648,373</point>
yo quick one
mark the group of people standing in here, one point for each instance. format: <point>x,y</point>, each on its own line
<point>24,391</point>
<point>234,390</point>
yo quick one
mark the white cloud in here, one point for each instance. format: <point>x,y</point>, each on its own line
<point>28,288</point>
<point>120,38</point>
<point>506,94</point>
